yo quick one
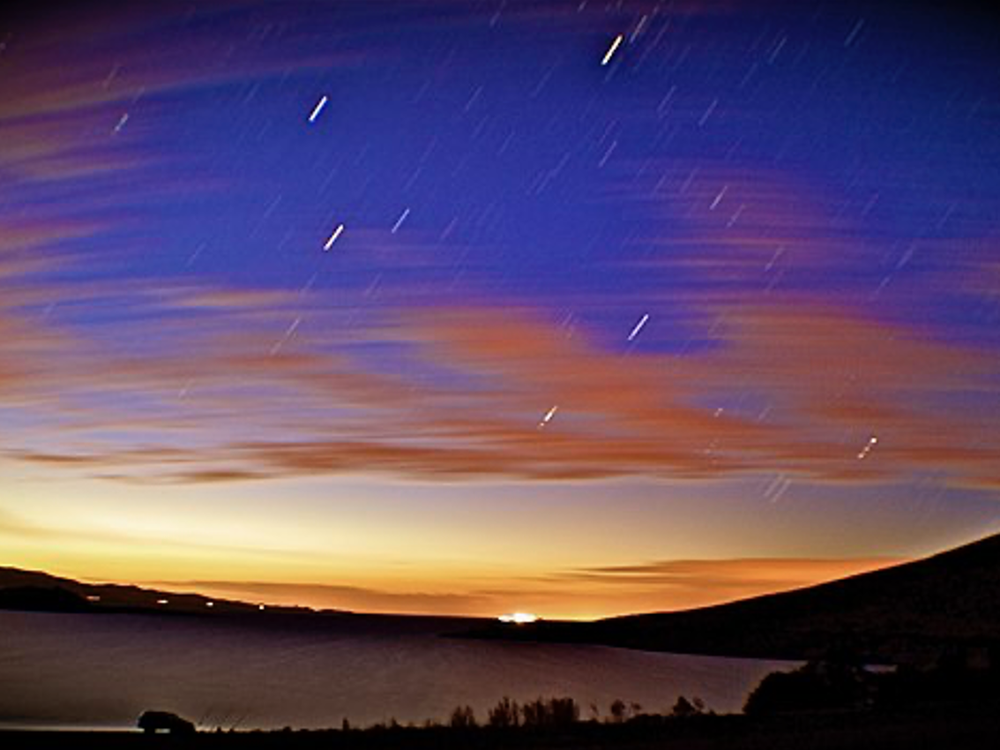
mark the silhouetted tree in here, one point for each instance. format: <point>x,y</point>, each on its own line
<point>533,713</point>
<point>618,711</point>
<point>563,711</point>
<point>555,712</point>
<point>684,708</point>
<point>463,717</point>
<point>505,714</point>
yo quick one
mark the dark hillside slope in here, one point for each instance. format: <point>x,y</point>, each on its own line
<point>34,590</point>
<point>941,607</point>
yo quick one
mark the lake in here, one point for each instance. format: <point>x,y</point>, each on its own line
<point>102,670</point>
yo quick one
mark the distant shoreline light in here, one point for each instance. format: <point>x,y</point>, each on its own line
<point>518,618</point>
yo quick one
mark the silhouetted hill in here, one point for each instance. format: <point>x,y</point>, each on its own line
<point>40,599</point>
<point>36,591</point>
<point>940,607</point>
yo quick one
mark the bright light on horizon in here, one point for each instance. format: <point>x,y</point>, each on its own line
<point>518,618</point>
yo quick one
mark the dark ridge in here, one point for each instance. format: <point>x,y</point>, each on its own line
<point>40,599</point>
<point>914,613</point>
<point>36,591</point>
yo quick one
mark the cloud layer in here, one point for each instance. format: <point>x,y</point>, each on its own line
<point>219,384</point>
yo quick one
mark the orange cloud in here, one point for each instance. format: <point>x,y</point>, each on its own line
<point>744,229</point>
<point>682,584</point>
<point>475,384</point>
<point>747,572</point>
<point>846,378</point>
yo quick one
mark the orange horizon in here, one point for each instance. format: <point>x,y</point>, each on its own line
<point>710,582</point>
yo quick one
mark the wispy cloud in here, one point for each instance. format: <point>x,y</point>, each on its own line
<point>797,387</point>
<point>682,584</point>
<point>753,573</point>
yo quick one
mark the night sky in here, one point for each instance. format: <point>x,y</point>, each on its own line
<point>577,308</point>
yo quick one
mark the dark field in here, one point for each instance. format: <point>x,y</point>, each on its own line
<point>967,726</point>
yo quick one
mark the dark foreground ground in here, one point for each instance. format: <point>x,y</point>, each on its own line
<point>958,725</point>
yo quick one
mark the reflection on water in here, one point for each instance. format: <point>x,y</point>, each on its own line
<point>106,669</point>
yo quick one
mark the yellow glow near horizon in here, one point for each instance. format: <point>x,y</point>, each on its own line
<point>368,547</point>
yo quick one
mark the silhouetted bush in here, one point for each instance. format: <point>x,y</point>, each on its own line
<point>816,686</point>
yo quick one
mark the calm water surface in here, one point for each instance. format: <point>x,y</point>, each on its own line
<point>103,670</point>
